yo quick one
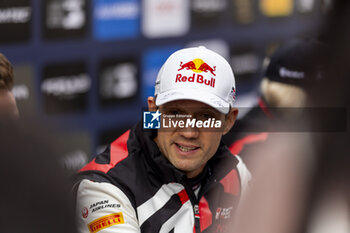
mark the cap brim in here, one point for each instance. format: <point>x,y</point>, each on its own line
<point>196,95</point>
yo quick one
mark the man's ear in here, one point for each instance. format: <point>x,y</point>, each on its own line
<point>230,120</point>
<point>151,101</point>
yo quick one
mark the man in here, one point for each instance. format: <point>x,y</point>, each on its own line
<point>8,106</point>
<point>174,179</point>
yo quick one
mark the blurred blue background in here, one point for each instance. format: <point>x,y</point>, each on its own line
<point>88,65</point>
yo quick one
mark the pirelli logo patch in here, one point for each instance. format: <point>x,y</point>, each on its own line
<point>105,222</point>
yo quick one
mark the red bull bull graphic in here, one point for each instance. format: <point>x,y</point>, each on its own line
<point>188,66</point>
<point>197,66</point>
<point>205,68</point>
<point>202,66</point>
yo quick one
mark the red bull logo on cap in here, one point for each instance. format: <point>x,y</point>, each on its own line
<point>197,66</point>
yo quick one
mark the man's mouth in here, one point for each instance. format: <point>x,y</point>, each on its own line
<point>186,148</point>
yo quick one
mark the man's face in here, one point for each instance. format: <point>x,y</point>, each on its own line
<point>189,149</point>
<point>8,106</point>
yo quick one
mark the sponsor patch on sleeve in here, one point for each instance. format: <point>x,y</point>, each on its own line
<point>105,222</point>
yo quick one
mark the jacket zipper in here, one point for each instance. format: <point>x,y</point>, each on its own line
<point>195,201</point>
<point>196,217</point>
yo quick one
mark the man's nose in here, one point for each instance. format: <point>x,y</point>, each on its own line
<point>189,133</point>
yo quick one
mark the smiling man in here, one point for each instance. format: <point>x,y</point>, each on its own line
<point>180,178</point>
<point>189,149</point>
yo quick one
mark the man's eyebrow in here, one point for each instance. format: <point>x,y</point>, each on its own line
<point>208,110</point>
<point>172,107</point>
<point>199,109</point>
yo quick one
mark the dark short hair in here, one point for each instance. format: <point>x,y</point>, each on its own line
<point>6,73</point>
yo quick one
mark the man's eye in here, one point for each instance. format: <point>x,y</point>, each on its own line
<point>173,112</point>
<point>205,116</point>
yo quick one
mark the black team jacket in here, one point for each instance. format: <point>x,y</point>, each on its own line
<point>132,187</point>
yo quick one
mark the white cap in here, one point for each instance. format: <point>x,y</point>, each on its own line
<point>196,74</point>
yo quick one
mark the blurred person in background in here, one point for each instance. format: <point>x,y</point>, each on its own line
<point>8,106</point>
<point>9,110</point>
<point>293,71</point>
<point>302,184</point>
<point>176,179</point>
<point>35,191</point>
<point>329,195</point>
